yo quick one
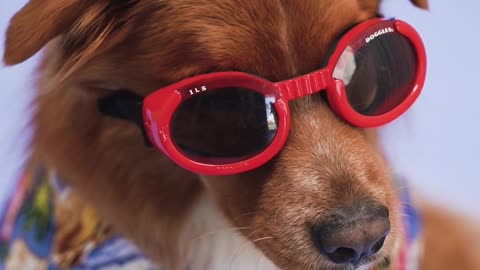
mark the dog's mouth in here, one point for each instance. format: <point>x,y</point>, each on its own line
<point>367,263</point>
<point>375,262</point>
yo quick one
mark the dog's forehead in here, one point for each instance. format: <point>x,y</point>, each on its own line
<point>272,38</point>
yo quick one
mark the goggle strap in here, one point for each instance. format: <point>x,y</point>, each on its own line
<point>125,105</point>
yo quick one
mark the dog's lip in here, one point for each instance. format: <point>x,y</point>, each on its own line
<point>381,261</point>
<point>367,261</point>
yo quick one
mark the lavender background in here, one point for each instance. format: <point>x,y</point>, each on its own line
<point>436,143</point>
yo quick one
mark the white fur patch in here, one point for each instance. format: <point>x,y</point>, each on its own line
<point>211,243</point>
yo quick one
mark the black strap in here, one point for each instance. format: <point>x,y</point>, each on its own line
<point>125,105</point>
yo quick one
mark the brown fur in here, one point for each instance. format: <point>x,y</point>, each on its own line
<point>93,47</point>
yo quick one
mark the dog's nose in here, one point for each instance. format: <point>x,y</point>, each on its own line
<point>352,234</point>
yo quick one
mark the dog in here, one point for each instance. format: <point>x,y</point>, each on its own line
<point>266,218</point>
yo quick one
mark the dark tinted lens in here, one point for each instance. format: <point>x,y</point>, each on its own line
<point>224,125</point>
<point>379,75</point>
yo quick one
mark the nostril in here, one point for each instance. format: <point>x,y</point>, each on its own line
<point>378,245</point>
<point>344,255</point>
<point>351,252</point>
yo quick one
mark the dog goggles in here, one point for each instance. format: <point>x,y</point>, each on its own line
<point>232,122</point>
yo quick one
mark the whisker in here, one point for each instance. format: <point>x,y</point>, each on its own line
<point>239,250</point>
<point>275,218</point>
<point>245,214</point>
<point>206,234</point>
<point>261,239</point>
<point>252,233</point>
<point>211,234</point>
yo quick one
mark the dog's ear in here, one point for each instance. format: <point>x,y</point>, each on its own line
<point>420,3</point>
<point>35,24</point>
<point>87,29</point>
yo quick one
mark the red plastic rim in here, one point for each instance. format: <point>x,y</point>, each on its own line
<point>160,106</point>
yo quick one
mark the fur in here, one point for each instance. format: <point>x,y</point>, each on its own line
<point>94,47</point>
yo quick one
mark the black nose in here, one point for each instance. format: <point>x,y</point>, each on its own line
<point>352,234</point>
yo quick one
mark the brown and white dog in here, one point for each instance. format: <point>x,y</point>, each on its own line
<point>257,220</point>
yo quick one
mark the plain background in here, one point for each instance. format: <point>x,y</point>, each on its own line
<point>436,144</point>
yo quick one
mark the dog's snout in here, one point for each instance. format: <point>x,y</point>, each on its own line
<point>353,234</point>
